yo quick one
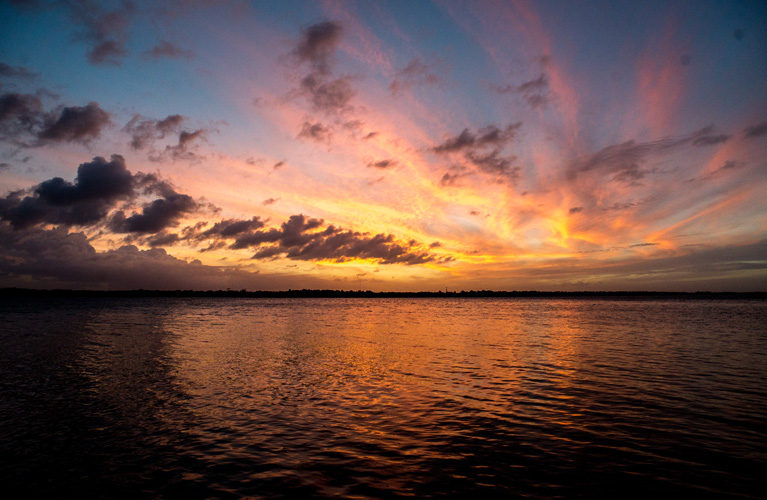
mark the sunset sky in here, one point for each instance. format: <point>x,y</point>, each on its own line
<point>405,145</point>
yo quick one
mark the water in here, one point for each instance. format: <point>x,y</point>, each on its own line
<point>226,398</point>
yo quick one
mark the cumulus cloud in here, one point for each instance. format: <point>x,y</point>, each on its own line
<point>99,186</point>
<point>144,132</point>
<point>76,124</point>
<point>315,132</point>
<point>166,49</point>
<point>306,238</point>
<point>416,72</point>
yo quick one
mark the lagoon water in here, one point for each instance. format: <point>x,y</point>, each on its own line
<point>224,398</point>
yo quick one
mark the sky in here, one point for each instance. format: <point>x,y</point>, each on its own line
<point>402,145</point>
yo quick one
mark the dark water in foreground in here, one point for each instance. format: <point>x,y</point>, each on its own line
<point>383,397</point>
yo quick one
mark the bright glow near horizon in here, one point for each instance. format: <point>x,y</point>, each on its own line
<point>385,146</point>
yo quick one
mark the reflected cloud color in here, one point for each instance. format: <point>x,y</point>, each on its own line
<point>494,145</point>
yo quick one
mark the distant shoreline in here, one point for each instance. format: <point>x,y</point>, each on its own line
<point>308,293</point>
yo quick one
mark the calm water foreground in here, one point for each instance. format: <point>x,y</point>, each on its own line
<point>383,397</point>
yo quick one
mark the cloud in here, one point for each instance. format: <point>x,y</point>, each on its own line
<point>228,228</point>
<point>144,132</point>
<point>166,49</point>
<point>623,159</point>
<point>482,150</point>
<point>535,92</point>
<point>316,47</point>
<point>575,210</point>
<point>20,115</point>
<point>98,185</point>
<point>154,216</point>
<point>305,238</point>
<point>383,164</point>
<point>270,201</point>
<point>315,131</point>
<point>327,95</point>
<point>318,43</point>
<point>98,188</point>
<point>56,258</point>
<point>705,137</point>
<point>487,136</point>
<point>183,150</point>
<point>416,72</point>
<point>7,71</point>
<point>495,164</point>
<point>757,130</point>
<point>710,140</point>
<point>76,124</point>
<point>104,31</point>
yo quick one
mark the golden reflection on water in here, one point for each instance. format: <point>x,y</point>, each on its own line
<point>397,390</point>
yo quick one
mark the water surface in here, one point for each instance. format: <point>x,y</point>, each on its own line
<point>383,397</point>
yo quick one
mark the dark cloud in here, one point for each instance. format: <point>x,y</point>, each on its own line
<point>483,150</point>
<point>710,140</point>
<point>370,135</point>
<point>270,201</point>
<point>328,95</point>
<point>155,216</point>
<point>76,124</point>
<point>278,165</point>
<point>325,92</point>
<point>166,49</point>
<point>98,185</point>
<point>228,228</point>
<point>495,164</point>
<point>4,165</point>
<point>415,73</point>
<point>756,130</point>
<point>383,164</point>
<point>98,188</point>
<point>487,136</point>
<point>451,179</point>
<point>56,258</point>
<point>318,43</point>
<point>315,131</point>
<point>105,31</point>
<point>624,159</point>
<point>305,238</point>
<point>184,149</point>
<point>575,210</point>
<point>163,239</point>
<point>20,116</point>
<point>535,92</point>
<point>7,71</point>
<point>144,132</point>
